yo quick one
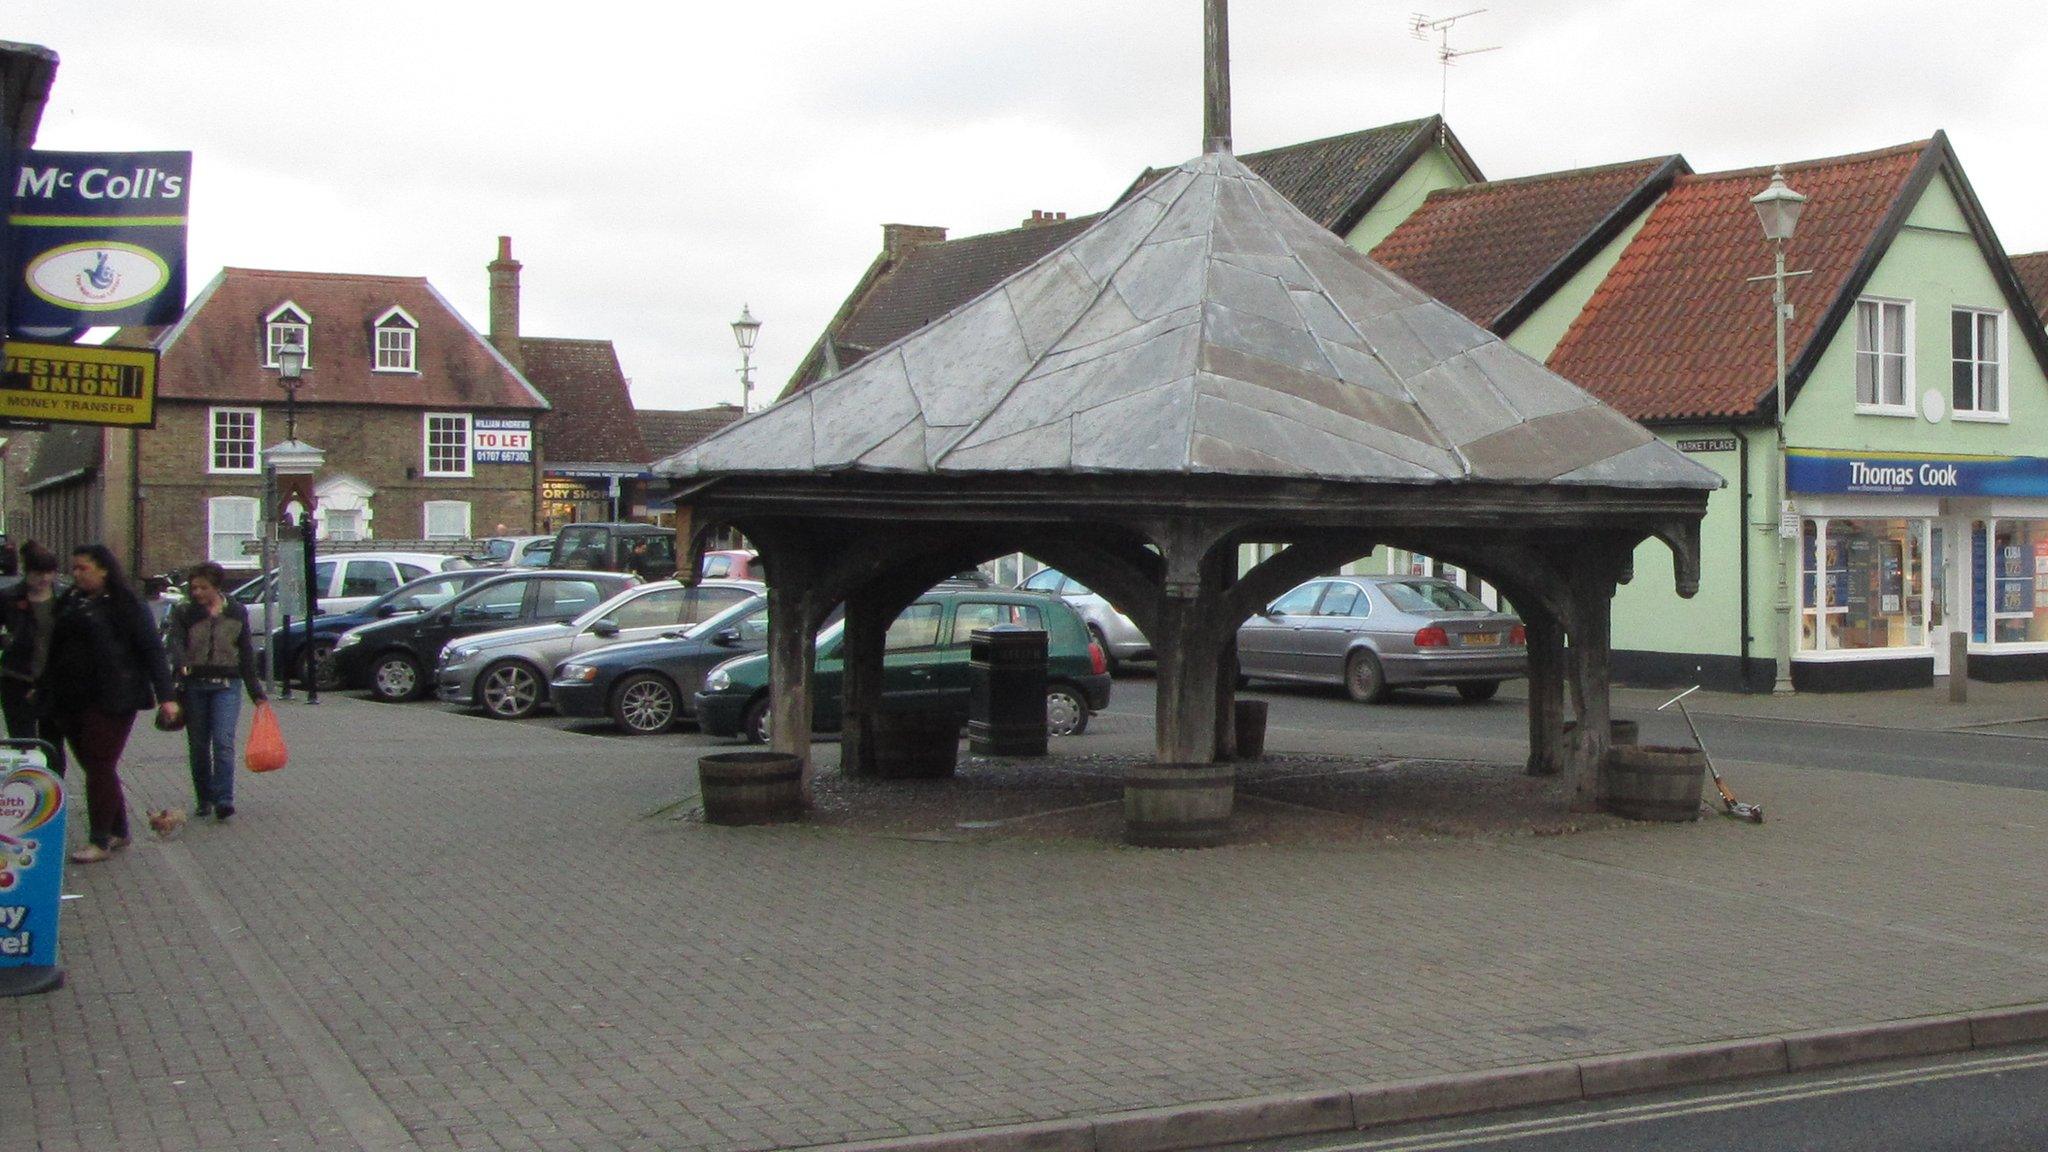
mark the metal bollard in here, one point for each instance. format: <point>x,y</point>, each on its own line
<point>1958,667</point>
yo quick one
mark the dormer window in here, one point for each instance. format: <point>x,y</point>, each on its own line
<point>397,342</point>
<point>287,327</point>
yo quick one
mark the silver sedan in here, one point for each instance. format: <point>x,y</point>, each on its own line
<point>1374,633</point>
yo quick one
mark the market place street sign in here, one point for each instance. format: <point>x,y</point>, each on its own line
<point>78,384</point>
<point>1903,474</point>
<point>99,240</point>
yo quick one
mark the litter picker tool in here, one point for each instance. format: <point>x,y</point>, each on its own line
<point>1730,806</point>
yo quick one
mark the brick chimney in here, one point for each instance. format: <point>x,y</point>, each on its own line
<point>505,303</point>
<point>1040,218</point>
<point>898,239</point>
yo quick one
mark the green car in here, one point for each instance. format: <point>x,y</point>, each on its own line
<point>925,665</point>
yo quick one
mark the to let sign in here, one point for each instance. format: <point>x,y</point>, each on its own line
<point>500,441</point>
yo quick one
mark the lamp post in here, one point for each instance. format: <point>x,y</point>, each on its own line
<point>1777,209</point>
<point>745,330</point>
<point>291,364</point>
<point>299,462</point>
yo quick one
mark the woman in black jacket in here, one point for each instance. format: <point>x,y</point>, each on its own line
<point>211,658</point>
<point>27,614</point>
<point>106,664</point>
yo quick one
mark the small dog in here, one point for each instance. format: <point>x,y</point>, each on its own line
<point>166,822</point>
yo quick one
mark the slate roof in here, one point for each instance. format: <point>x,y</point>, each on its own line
<point>64,452</point>
<point>667,432</point>
<point>1203,326</point>
<point>216,352</point>
<point>1495,251</point>
<point>2032,269</point>
<point>1675,332</point>
<point>1337,179</point>
<point>592,419</point>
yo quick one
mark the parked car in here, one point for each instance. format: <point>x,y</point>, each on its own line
<point>345,581</point>
<point>1374,633</point>
<point>511,551</point>
<point>537,555</point>
<point>649,686</point>
<point>506,672</point>
<point>391,657</point>
<point>420,595</point>
<point>731,564</point>
<point>642,549</point>
<point>1120,639</point>
<point>924,664</point>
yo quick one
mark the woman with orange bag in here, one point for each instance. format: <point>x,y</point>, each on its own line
<point>212,659</point>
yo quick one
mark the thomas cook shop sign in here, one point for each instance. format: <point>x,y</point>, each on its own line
<point>78,384</point>
<point>99,239</point>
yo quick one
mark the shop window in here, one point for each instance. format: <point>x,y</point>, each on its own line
<point>1977,365</point>
<point>1863,585</point>
<point>2009,581</point>
<point>1883,370</point>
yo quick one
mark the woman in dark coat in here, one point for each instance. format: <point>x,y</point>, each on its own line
<point>106,664</point>
<point>28,613</point>
<point>212,658</point>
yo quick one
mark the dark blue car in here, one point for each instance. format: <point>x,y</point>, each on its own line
<point>417,596</point>
<point>646,686</point>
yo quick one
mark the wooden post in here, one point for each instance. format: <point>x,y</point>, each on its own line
<point>1226,699</point>
<point>1546,693</point>
<point>790,651</point>
<point>1186,727</point>
<point>867,627</point>
<point>1592,587</point>
<point>1216,77</point>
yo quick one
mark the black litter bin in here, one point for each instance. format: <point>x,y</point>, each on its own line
<point>1006,712</point>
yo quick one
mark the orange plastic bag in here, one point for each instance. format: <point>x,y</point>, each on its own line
<point>266,741</point>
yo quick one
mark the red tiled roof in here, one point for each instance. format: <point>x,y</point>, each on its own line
<point>669,432</point>
<point>1676,332</point>
<point>1482,248</point>
<point>216,353</point>
<point>2033,273</point>
<point>592,421</point>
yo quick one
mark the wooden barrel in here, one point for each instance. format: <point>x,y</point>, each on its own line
<point>1178,805</point>
<point>1251,729</point>
<point>916,745</point>
<point>750,787</point>
<point>1618,731</point>
<point>1646,782</point>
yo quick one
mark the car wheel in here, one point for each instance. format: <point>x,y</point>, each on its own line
<point>395,677</point>
<point>1364,679</point>
<point>1066,713</point>
<point>325,674</point>
<point>644,704</point>
<point>1479,691</point>
<point>1109,661</point>
<point>510,691</point>
<point>759,725</point>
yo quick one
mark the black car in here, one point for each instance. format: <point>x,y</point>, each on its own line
<point>392,657</point>
<point>645,550</point>
<point>419,595</point>
<point>646,686</point>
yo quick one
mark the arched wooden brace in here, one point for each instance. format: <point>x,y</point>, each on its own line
<point>1300,560</point>
<point>1683,538</point>
<point>1129,576</point>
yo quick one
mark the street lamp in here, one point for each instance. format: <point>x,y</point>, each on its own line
<point>291,364</point>
<point>298,460</point>
<point>745,330</point>
<point>1777,209</point>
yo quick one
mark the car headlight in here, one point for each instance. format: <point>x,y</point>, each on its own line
<point>582,672</point>
<point>718,681</point>
<point>459,653</point>
<point>348,640</point>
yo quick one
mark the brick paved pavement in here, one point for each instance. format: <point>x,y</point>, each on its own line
<point>439,932</point>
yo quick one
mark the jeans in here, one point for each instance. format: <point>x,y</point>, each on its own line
<point>210,716</point>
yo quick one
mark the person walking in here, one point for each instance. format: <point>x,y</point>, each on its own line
<point>106,663</point>
<point>212,661</point>
<point>28,614</point>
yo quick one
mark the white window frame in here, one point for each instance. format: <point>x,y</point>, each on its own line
<point>427,444</point>
<point>214,509</point>
<point>1905,407</point>
<point>427,511</point>
<point>213,442</point>
<point>282,320</point>
<point>2000,415</point>
<point>396,321</point>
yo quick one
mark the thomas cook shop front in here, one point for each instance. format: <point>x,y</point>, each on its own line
<point>1898,551</point>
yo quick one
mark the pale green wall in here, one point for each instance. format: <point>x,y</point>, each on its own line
<point>1649,615</point>
<point>1432,170</point>
<point>1538,335</point>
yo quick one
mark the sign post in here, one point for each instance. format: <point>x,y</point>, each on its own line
<point>32,814</point>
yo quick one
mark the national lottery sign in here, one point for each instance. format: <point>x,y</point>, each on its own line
<point>99,239</point>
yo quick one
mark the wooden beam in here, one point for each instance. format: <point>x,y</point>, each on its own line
<point>1216,76</point>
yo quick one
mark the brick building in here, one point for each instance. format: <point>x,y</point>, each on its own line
<point>398,391</point>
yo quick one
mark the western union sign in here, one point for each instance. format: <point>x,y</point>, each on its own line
<point>78,384</point>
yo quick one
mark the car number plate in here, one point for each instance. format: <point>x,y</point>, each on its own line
<point>1482,639</point>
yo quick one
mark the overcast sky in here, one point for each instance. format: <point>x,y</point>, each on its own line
<point>659,164</point>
